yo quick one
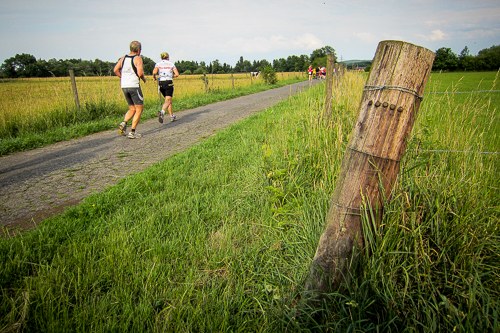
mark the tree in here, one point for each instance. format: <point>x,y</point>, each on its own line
<point>280,65</point>
<point>148,65</point>
<point>22,65</point>
<point>489,59</point>
<point>239,65</point>
<point>319,56</point>
<point>445,60</point>
<point>466,62</point>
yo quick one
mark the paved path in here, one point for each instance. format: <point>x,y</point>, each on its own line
<point>40,183</point>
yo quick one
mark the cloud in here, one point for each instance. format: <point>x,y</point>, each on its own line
<point>259,44</point>
<point>366,37</point>
<point>479,33</point>
<point>436,35</point>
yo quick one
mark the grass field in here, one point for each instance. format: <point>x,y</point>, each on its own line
<point>220,238</point>
<point>37,112</point>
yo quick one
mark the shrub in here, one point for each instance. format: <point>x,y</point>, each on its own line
<point>269,75</point>
<point>199,70</point>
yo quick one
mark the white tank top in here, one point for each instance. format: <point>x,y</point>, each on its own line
<point>129,73</point>
<point>165,70</point>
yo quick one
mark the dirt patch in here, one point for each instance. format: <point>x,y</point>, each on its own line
<point>41,183</point>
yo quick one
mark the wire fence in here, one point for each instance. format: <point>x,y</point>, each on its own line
<point>338,75</point>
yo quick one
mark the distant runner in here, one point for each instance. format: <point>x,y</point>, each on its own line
<point>166,71</point>
<point>129,70</point>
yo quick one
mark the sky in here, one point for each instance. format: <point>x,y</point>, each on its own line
<point>229,29</point>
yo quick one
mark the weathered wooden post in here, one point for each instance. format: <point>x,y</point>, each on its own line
<point>232,79</point>
<point>390,101</point>
<point>329,84</point>
<point>206,83</point>
<point>73,86</point>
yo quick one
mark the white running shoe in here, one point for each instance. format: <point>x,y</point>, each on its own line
<point>133,135</point>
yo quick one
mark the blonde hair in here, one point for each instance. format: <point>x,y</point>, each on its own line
<point>164,55</point>
<point>135,46</point>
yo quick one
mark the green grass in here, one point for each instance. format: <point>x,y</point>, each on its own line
<point>220,238</point>
<point>62,124</point>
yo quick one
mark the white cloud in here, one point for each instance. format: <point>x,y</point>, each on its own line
<point>366,37</point>
<point>261,44</point>
<point>436,35</point>
<point>479,33</point>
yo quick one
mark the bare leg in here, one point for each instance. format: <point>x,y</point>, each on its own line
<point>137,115</point>
<point>167,106</point>
<point>130,113</point>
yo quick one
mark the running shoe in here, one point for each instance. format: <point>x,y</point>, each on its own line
<point>133,135</point>
<point>160,116</point>
<point>173,117</point>
<point>122,128</point>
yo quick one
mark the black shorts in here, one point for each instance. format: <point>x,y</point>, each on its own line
<point>167,88</point>
<point>133,96</point>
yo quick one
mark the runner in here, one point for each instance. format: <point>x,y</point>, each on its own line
<point>166,71</point>
<point>129,69</point>
<point>323,72</point>
<point>310,70</point>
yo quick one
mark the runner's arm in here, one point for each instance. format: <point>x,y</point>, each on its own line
<point>118,68</point>
<point>155,71</point>
<point>140,69</point>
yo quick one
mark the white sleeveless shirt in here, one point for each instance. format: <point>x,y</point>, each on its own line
<point>129,73</point>
<point>165,70</point>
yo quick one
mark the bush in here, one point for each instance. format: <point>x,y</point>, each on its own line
<point>199,70</point>
<point>269,75</point>
<point>187,71</point>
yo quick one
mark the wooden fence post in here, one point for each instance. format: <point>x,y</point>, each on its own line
<point>205,81</point>
<point>329,84</point>
<point>389,103</point>
<point>232,79</point>
<point>73,86</point>
<point>337,74</point>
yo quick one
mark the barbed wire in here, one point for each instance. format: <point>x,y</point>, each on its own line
<point>452,151</point>
<point>398,88</point>
<point>460,92</point>
<point>415,93</point>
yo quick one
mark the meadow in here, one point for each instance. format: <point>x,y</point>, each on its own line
<point>40,111</point>
<point>220,238</point>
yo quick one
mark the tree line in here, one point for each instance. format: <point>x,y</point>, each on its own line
<point>26,65</point>
<point>486,60</point>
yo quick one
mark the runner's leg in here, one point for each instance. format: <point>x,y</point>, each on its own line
<point>137,115</point>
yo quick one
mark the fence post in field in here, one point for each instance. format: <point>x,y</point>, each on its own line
<point>232,79</point>
<point>205,81</point>
<point>251,80</point>
<point>73,86</point>
<point>329,84</point>
<point>337,74</point>
<point>390,101</point>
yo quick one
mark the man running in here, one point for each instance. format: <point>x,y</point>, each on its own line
<point>166,71</point>
<point>129,69</point>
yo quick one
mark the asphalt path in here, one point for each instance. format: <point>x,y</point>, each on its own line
<point>41,183</point>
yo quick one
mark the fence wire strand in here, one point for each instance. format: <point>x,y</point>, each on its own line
<point>337,77</point>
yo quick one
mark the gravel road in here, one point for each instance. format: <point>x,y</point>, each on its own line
<point>41,183</point>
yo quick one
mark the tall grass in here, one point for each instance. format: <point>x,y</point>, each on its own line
<point>35,113</point>
<point>220,237</point>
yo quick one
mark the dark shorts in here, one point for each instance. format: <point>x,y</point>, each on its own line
<point>133,96</point>
<point>167,88</point>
